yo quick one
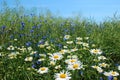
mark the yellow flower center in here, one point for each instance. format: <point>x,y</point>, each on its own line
<point>75,66</point>
<point>72,60</point>
<point>43,69</point>
<point>113,73</point>
<point>62,51</point>
<point>56,57</point>
<point>62,75</point>
<point>96,51</point>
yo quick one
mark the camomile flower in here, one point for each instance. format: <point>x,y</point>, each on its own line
<point>113,73</point>
<point>52,63</point>
<point>62,75</point>
<point>12,55</point>
<point>63,51</point>
<point>99,69</point>
<point>71,61</point>
<point>43,70</point>
<point>103,65</point>
<point>73,50</point>
<point>41,45</point>
<point>79,38</point>
<point>95,51</point>
<point>69,42</point>
<point>75,66</point>
<point>79,42</point>
<point>85,44</point>
<point>101,58</point>
<point>11,48</point>
<point>56,56</point>
<point>66,36</point>
<point>28,58</point>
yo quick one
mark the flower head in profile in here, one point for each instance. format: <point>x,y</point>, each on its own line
<point>28,58</point>
<point>66,37</point>
<point>43,70</point>
<point>63,75</point>
<point>111,73</point>
<point>95,51</point>
<point>56,56</point>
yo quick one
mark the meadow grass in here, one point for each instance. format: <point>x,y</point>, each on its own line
<point>28,41</point>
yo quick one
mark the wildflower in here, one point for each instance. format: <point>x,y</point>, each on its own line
<point>66,37</point>
<point>29,48</point>
<point>28,43</point>
<point>43,70</point>
<point>103,65</point>
<point>12,55</point>
<point>95,51</point>
<point>74,66</point>
<point>57,67</point>
<point>69,42</point>
<point>41,46</point>
<point>85,44</point>
<point>48,47</point>
<point>28,58</point>
<point>63,51</point>
<point>62,76</point>
<point>56,56</point>
<point>110,77</point>
<point>101,58</point>
<point>71,61</point>
<point>10,47</point>
<point>79,38</point>
<point>73,50</point>
<point>79,42</point>
<point>52,63</point>
<point>113,73</point>
<point>99,69</point>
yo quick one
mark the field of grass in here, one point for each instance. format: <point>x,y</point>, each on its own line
<point>45,47</point>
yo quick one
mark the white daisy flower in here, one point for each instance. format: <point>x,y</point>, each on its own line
<point>63,51</point>
<point>73,50</point>
<point>69,42</point>
<point>41,45</point>
<point>56,56</point>
<point>99,69</point>
<point>62,76</point>
<point>95,51</point>
<point>79,38</point>
<point>101,58</point>
<point>77,65</point>
<point>71,61</point>
<point>11,48</point>
<point>85,44</point>
<point>113,73</point>
<point>103,65</point>
<point>43,70</point>
<point>28,58</point>
<point>79,42</point>
<point>66,36</point>
<point>57,67</point>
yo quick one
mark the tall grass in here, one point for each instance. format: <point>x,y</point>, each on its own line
<point>15,23</point>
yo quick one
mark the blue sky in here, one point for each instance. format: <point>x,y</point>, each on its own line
<point>97,9</point>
